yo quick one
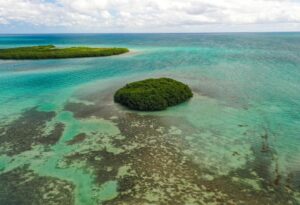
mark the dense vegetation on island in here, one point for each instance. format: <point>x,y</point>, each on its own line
<point>52,52</point>
<point>153,94</point>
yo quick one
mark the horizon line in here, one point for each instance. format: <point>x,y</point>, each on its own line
<point>223,32</point>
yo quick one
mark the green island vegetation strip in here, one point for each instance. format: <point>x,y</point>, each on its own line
<point>52,52</point>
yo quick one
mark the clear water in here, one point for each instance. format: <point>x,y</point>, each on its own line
<point>240,133</point>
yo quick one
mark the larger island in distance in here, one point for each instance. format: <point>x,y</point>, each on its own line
<point>52,52</point>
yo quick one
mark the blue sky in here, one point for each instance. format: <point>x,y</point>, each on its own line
<point>102,16</point>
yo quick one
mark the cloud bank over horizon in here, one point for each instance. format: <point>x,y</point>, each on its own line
<point>25,16</point>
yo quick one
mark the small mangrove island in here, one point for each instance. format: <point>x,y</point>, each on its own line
<point>52,52</point>
<point>153,94</point>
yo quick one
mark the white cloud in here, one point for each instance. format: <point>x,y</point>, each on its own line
<point>101,15</point>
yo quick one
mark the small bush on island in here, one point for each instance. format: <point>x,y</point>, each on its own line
<point>153,94</point>
<point>52,52</point>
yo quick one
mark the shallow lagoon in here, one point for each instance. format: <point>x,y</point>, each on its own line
<point>64,141</point>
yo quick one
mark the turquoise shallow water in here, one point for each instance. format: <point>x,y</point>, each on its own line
<point>241,129</point>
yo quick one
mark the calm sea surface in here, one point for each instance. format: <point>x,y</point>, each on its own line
<point>237,141</point>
